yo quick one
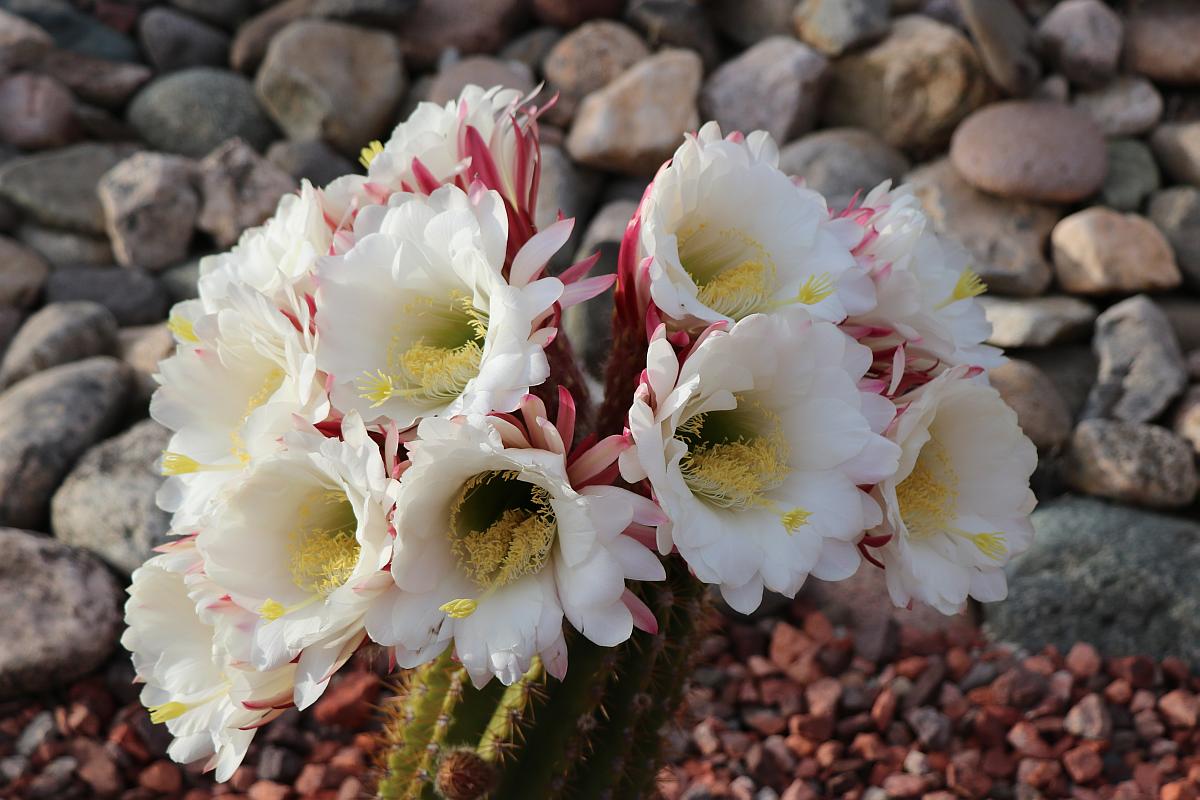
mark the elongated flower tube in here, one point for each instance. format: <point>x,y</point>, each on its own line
<point>755,445</point>
<point>500,535</point>
<point>957,509</point>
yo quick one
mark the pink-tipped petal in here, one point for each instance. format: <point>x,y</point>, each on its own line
<point>540,248</point>
<point>643,617</point>
<point>583,290</point>
<point>566,418</point>
<point>550,438</point>
<point>598,458</point>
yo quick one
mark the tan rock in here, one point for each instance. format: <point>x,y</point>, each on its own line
<point>1100,251</point>
<point>1141,367</point>
<point>1160,41</point>
<point>239,189</point>
<point>1031,150</point>
<point>586,59</point>
<point>635,123</point>
<point>481,71</point>
<point>1186,421</point>
<point>1037,321</point>
<point>1177,148</point>
<point>1006,238</point>
<point>1131,462</point>
<point>21,42</point>
<point>1041,411</point>
<point>912,88</point>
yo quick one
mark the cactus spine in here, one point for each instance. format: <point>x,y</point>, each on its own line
<point>595,734</point>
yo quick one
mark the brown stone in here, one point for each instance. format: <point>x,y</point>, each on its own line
<point>1181,708</point>
<point>1089,718</point>
<point>912,88</point>
<point>1006,238</point>
<point>1083,39</point>
<point>239,189</point>
<point>1041,411</point>
<point>1160,41</point>
<point>1100,251</point>
<point>161,776</point>
<point>1132,462</point>
<point>1177,148</point>
<point>1038,772</point>
<point>1083,764</point>
<point>481,71</point>
<point>1031,150</point>
<point>586,59</point>
<point>349,702</point>
<point>21,42</point>
<point>635,123</point>
<point>1186,421</point>
<point>1083,660</point>
<point>468,26</point>
<point>36,112</point>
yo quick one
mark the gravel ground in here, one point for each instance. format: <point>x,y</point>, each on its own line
<point>789,707</point>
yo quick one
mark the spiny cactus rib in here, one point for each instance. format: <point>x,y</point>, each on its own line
<point>625,699</point>
<point>543,761</point>
<point>412,724</point>
<point>685,626</point>
<point>506,729</point>
<point>474,712</point>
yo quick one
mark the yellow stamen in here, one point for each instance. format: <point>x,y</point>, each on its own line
<point>429,371</point>
<point>739,291</point>
<point>795,519</point>
<point>368,153</point>
<point>739,472</point>
<point>459,609</point>
<point>179,464</point>
<point>991,545</point>
<point>969,284</point>
<point>515,544</point>
<point>183,329</point>
<point>271,610</point>
<point>928,500</point>
<point>377,386</point>
<point>815,289</point>
<point>324,550</point>
<point>166,712</point>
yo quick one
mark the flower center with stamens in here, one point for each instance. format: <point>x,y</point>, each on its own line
<point>323,549</point>
<point>501,528</point>
<point>734,274</point>
<point>928,500</point>
<point>736,457</point>
<point>435,367</point>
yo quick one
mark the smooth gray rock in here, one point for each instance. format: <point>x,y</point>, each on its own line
<point>65,248</point>
<point>332,81</point>
<point>1005,42</point>
<point>74,30</point>
<point>675,23</point>
<point>835,26</point>
<point>837,162</point>
<point>106,504</point>
<point>62,613</point>
<point>1121,579</point>
<point>133,297</point>
<point>1132,175</point>
<point>58,188</point>
<point>1176,212</point>
<point>173,41</point>
<point>22,274</point>
<point>1132,462</point>
<point>311,159</point>
<point>1083,39</point>
<point>192,111</point>
<point>226,13</point>
<point>1037,321</point>
<point>59,333</point>
<point>48,421</point>
<point>1141,366</point>
<point>150,206</point>
<point>239,189</point>
<point>750,21</point>
<point>774,86</point>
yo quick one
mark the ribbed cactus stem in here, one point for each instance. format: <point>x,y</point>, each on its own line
<point>504,731</point>
<point>413,720</point>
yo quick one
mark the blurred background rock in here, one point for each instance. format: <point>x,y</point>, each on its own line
<point>1058,141</point>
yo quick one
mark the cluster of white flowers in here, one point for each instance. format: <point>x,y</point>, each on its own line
<point>363,449</point>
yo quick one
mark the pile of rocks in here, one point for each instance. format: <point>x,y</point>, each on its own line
<point>94,741</point>
<point>802,708</point>
<point>1059,142</point>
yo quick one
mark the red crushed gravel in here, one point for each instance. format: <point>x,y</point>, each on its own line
<point>790,709</point>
